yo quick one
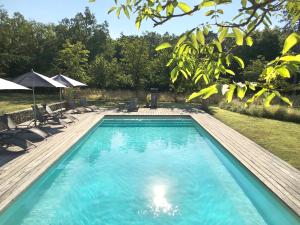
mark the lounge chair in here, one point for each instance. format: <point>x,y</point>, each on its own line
<point>153,102</point>
<point>44,119</point>
<point>132,105</point>
<point>74,109</point>
<point>8,141</point>
<point>83,103</point>
<point>13,128</point>
<point>59,115</point>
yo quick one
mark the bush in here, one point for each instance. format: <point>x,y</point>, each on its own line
<point>277,112</point>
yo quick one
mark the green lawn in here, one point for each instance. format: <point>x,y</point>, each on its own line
<point>280,138</point>
<point>10,102</point>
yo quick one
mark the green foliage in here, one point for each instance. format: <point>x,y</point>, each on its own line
<point>107,74</point>
<point>199,56</point>
<point>208,56</point>
<point>72,61</point>
<point>254,68</point>
<point>135,58</point>
<point>290,42</point>
<point>81,48</point>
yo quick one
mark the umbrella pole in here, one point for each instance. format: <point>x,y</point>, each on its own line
<point>60,93</point>
<point>34,109</point>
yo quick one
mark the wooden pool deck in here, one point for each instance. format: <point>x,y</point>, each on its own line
<point>18,171</point>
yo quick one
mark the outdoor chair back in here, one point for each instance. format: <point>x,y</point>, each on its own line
<point>13,128</point>
<point>39,116</point>
<point>7,122</point>
<point>83,102</point>
<point>71,104</point>
<point>133,105</point>
<point>154,98</point>
<point>48,110</point>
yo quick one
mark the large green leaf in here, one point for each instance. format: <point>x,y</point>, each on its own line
<point>159,8</point>
<point>200,37</point>
<point>228,59</point>
<point>205,93</point>
<point>126,12</point>
<point>209,13</point>
<point>241,90</point>
<point>181,40</point>
<point>244,3</point>
<point>163,46</point>
<point>239,61</point>
<point>174,74</point>
<point>230,72</point>
<point>239,37</point>
<point>223,33</point>
<point>283,71</point>
<point>207,3</point>
<point>118,12</point>
<point>218,45</point>
<point>194,40</point>
<point>257,95</point>
<point>290,58</point>
<point>290,42</point>
<point>111,9</point>
<point>268,99</point>
<point>184,7</point>
<point>229,94</point>
<point>138,23</point>
<point>249,41</point>
<point>170,9</point>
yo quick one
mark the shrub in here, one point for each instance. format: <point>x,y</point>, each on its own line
<point>277,112</point>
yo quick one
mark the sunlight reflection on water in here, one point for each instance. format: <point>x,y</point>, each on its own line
<point>160,203</point>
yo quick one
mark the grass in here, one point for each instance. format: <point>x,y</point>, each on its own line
<point>11,102</point>
<point>280,138</point>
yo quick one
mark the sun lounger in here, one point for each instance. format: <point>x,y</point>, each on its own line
<point>44,119</point>
<point>83,103</point>
<point>59,115</point>
<point>13,128</point>
<point>153,98</point>
<point>8,141</point>
<point>74,109</point>
<point>132,105</point>
<point>153,102</point>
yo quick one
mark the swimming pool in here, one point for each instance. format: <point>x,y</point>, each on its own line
<point>148,170</point>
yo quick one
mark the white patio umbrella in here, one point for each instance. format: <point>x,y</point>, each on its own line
<point>33,79</point>
<point>8,85</point>
<point>68,82</point>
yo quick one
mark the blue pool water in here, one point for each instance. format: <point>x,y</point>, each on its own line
<point>145,170</point>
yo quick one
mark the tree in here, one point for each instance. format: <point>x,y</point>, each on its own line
<point>206,60</point>
<point>107,74</point>
<point>135,59</point>
<point>85,29</point>
<point>72,60</point>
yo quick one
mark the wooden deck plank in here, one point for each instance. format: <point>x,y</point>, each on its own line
<point>18,173</point>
